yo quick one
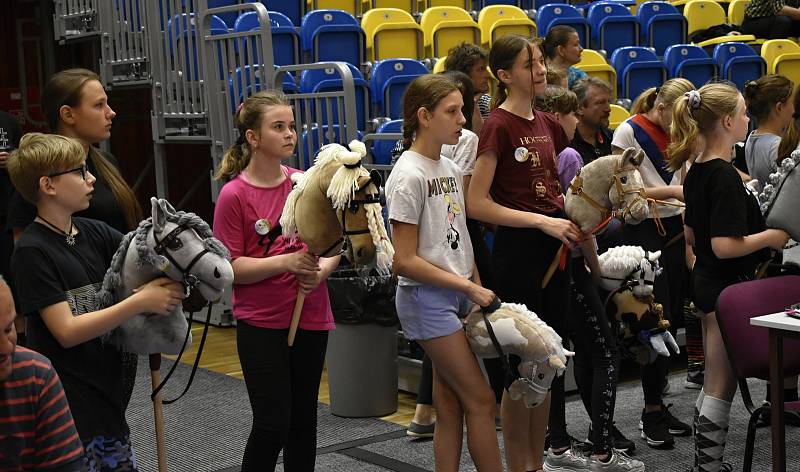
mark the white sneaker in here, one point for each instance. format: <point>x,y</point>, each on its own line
<point>620,462</point>
<point>568,461</point>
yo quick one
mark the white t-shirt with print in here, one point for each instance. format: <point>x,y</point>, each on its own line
<point>464,153</point>
<point>624,138</point>
<point>430,194</point>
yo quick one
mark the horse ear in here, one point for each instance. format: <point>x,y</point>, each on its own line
<point>633,156</point>
<point>653,256</point>
<point>159,213</point>
<point>376,178</point>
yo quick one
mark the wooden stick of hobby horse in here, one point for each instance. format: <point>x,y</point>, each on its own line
<point>551,270</point>
<point>298,308</point>
<point>155,380</point>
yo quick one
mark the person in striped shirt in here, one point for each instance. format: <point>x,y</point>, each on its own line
<point>36,428</point>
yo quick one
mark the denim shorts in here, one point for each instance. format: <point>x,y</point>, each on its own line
<point>428,312</point>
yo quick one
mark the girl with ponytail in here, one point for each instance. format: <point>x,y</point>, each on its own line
<point>437,279</point>
<point>282,382</point>
<point>770,101</point>
<point>515,186</point>
<point>75,105</point>
<point>724,225</point>
<point>648,130</point>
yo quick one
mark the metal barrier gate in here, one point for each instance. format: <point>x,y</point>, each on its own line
<point>123,42</point>
<point>75,19</point>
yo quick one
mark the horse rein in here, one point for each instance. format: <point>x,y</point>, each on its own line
<point>576,187</point>
<point>352,207</point>
<point>171,242</point>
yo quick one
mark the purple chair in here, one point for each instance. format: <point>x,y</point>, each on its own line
<point>748,346</point>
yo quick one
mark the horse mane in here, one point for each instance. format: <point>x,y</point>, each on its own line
<point>777,178</point>
<point>550,339</point>
<point>621,259</point>
<point>113,278</point>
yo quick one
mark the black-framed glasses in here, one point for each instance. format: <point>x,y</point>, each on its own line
<point>82,169</point>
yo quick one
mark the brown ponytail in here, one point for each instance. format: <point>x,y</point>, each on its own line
<point>248,117</point>
<point>502,56</point>
<point>424,92</point>
<point>66,88</point>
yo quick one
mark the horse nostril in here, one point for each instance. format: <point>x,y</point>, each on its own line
<point>360,252</point>
<point>216,273</point>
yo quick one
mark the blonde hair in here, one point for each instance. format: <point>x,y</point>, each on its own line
<point>555,76</point>
<point>41,155</point>
<point>426,92</point>
<point>65,88</point>
<point>248,117</point>
<point>717,101</point>
<point>669,91</point>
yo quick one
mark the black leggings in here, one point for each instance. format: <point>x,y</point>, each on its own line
<point>771,27</point>
<point>283,385</point>
<point>596,357</point>
<point>668,289</point>
<point>520,259</point>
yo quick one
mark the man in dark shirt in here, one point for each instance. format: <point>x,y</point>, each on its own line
<point>592,136</point>
<point>36,427</point>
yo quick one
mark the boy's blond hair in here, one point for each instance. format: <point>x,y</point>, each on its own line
<point>40,155</point>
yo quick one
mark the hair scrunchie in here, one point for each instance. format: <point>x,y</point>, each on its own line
<point>240,140</point>
<point>694,100</point>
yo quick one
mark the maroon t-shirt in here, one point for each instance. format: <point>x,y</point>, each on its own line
<point>526,176</point>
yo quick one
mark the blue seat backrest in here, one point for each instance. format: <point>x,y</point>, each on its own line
<point>182,23</point>
<point>626,55</point>
<point>343,38</point>
<point>228,18</point>
<point>388,68</point>
<point>311,144</point>
<point>727,51</point>
<point>562,13</point>
<point>382,149</point>
<point>244,88</point>
<point>648,10</point>
<point>676,54</point>
<point>292,9</point>
<point>310,79</point>
<point>285,40</point>
<point>600,10</point>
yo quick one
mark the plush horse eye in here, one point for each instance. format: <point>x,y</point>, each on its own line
<point>623,179</point>
<point>541,376</point>
<point>175,244</point>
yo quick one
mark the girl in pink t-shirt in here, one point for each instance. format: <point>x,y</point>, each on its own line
<point>282,382</point>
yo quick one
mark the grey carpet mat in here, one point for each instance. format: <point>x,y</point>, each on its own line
<point>207,430</point>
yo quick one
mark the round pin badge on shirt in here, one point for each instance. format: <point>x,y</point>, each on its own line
<point>262,227</point>
<point>521,154</point>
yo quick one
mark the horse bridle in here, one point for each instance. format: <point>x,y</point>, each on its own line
<point>170,242</point>
<point>352,207</point>
<point>576,187</point>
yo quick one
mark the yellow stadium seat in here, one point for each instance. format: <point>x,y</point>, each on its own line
<point>351,6</point>
<point>618,115</point>
<point>703,14</point>
<point>736,11</point>
<point>438,68</point>
<point>497,20</point>
<point>392,33</point>
<point>445,28</point>
<point>782,57</point>
<point>595,65</point>
<point>409,6</point>
<point>425,4</point>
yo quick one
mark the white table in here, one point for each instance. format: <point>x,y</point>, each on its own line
<point>780,325</point>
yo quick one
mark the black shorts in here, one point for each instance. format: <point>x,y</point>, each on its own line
<point>706,290</point>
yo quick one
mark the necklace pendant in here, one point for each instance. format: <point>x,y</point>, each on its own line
<point>70,239</point>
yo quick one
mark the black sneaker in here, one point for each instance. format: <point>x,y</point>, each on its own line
<point>694,380</point>
<point>621,443</point>
<point>676,426</point>
<point>655,430</point>
<point>416,430</point>
<point>790,418</point>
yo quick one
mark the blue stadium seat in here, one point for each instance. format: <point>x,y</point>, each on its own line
<point>382,149</point>
<point>285,40</point>
<point>390,78</point>
<point>292,9</point>
<point>327,80</point>
<point>562,14</point>
<point>638,69</point>
<point>660,25</point>
<point>333,35</point>
<point>237,94</point>
<point>690,62</point>
<point>739,63</point>
<point>181,30</point>
<point>228,18</point>
<point>330,134</point>
<point>612,26</point>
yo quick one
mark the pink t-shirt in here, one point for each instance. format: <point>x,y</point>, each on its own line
<point>270,302</point>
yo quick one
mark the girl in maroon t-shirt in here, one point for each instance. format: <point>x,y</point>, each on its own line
<point>515,185</point>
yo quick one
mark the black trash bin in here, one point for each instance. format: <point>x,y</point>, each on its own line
<point>362,350</point>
